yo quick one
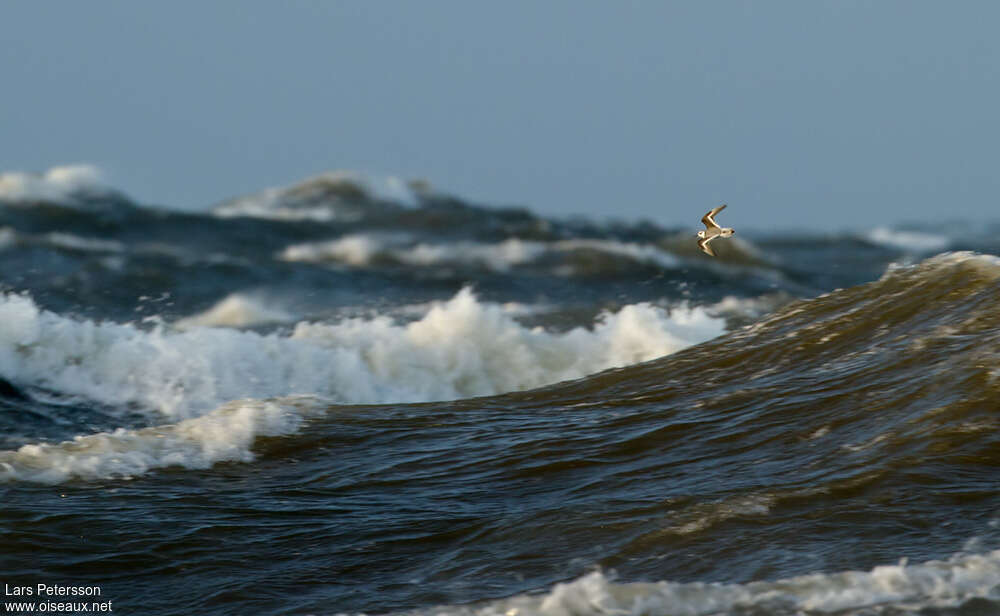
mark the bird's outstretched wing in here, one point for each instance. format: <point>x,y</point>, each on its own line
<point>703,244</point>
<point>709,219</point>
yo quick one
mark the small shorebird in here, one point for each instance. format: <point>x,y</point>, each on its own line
<point>712,230</point>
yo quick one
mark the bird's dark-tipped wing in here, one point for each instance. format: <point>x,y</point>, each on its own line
<point>703,244</point>
<point>709,219</point>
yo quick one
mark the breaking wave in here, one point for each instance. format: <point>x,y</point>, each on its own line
<point>236,310</point>
<point>361,250</point>
<point>225,434</point>
<point>65,184</point>
<point>458,349</point>
<point>946,583</point>
<point>341,196</point>
<point>910,241</point>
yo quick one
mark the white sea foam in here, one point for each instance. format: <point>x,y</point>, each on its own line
<point>460,348</point>
<point>913,241</point>
<point>988,265</point>
<point>8,238</point>
<point>56,184</point>
<point>266,205</point>
<point>363,249</point>
<point>513,309</point>
<point>225,434</point>
<point>465,348</point>
<point>748,308</point>
<point>358,249</point>
<point>498,257</point>
<point>932,584</point>
<point>84,244</point>
<point>236,310</point>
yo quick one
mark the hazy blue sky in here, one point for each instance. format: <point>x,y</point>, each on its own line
<point>793,112</point>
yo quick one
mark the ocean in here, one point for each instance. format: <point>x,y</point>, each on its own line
<point>355,395</point>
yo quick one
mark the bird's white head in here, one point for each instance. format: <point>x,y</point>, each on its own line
<point>701,234</point>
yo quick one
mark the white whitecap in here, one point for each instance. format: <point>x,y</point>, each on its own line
<point>460,348</point>
<point>56,184</point>
<point>225,434</point>
<point>356,249</point>
<point>363,249</point>
<point>236,310</point>
<point>316,198</point>
<point>913,241</point>
<point>83,244</point>
<point>944,583</point>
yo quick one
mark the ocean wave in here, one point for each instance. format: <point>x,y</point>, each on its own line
<point>10,238</point>
<point>84,244</point>
<point>236,310</point>
<point>464,348</point>
<point>341,196</point>
<point>58,184</point>
<point>225,434</point>
<point>910,241</point>
<point>460,348</point>
<point>746,310</point>
<point>902,588</point>
<point>367,249</point>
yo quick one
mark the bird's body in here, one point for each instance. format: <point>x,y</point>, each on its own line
<point>712,230</point>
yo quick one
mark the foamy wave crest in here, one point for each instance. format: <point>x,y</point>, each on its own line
<point>67,241</point>
<point>322,198</point>
<point>932,584</point>
<point>8,238</point>
<point>988,265</point>
<point>360,250</point>
<point>225,434</point>
<point>912,241</point>
<point>83,244</point>
<point>364,249</point>
<point>460,348</point>
<point>56,184</point>
<point>236,310</point>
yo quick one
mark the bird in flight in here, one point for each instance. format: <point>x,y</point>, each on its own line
<point>712,230</point>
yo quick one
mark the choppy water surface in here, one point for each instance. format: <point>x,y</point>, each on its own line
<point>346,396</point>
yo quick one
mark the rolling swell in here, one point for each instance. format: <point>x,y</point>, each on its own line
<point>831,423</point>
<point>844,419</point>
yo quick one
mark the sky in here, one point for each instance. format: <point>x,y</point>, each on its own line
<point>827,114</point>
